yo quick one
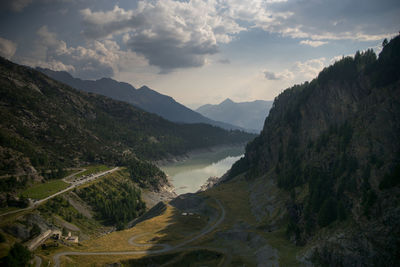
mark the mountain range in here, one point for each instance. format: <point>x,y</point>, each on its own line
<point>144,98</point>
<point>46,124</point>
<point>249,115</point>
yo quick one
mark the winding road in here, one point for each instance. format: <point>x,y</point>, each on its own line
<point>72,186</point>
<point>165,247</point>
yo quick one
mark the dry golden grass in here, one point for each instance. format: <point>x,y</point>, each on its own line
<point>170,227</point>
<point>118,241</point>
<point>95,260</point>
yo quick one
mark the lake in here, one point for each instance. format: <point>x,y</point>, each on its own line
<point>190,174</point>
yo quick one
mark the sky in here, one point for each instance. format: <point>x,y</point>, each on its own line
<point>197,51</point>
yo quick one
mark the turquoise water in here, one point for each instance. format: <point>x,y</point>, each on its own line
<point>189,175</point>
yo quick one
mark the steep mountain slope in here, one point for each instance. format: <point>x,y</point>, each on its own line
<point>144,98</point>
<point>249,115</point>
<point>332,149</point>
<point>47,124</point>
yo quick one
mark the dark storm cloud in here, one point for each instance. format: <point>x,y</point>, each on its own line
<point>169,53</point>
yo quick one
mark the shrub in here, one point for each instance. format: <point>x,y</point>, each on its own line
<point>35,230</point>
<point>18,255</point>
<point>391,180</point>
<point>327,214</point>
<point>2,238</point>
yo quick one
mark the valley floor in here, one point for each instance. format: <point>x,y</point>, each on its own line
<point>213,228</point>
<point>222,226</point>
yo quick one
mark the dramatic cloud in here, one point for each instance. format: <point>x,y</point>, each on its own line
<point>170,34</point>
<point>7,48</point>
<point>97,59</point>
<point>102,24</point>
<point>255,12</point>
<point>312,43</point>
<point>182,34</point>
<point>136,40</point>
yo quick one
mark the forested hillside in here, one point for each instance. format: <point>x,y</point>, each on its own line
<point>45,125</point>
<point>116,202</point>
<point>332,146</point>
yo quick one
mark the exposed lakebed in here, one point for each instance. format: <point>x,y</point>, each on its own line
<point>190,174</point>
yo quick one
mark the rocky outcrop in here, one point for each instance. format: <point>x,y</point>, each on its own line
<point>213,180</point>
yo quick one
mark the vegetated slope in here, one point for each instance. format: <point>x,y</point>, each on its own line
<point>116,202</point>
<point>144,98</point>
<point>86,211</point>
<point>333,145</point>
<point>249,115</point>
<point>45,123</point>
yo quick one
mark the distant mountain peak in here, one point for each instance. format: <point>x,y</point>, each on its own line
<point>248,115</point>
<point>144,87</point>
<point>227,101</point>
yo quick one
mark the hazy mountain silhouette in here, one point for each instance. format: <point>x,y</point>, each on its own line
<point>249,115</point>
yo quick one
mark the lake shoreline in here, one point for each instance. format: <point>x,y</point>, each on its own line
<point>194,153</point>
<point>190,173</point>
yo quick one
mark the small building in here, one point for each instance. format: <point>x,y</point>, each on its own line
<point>71,238</point>
<point>56,234</point>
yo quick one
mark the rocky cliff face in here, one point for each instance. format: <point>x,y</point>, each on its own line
<point>333,147</point>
